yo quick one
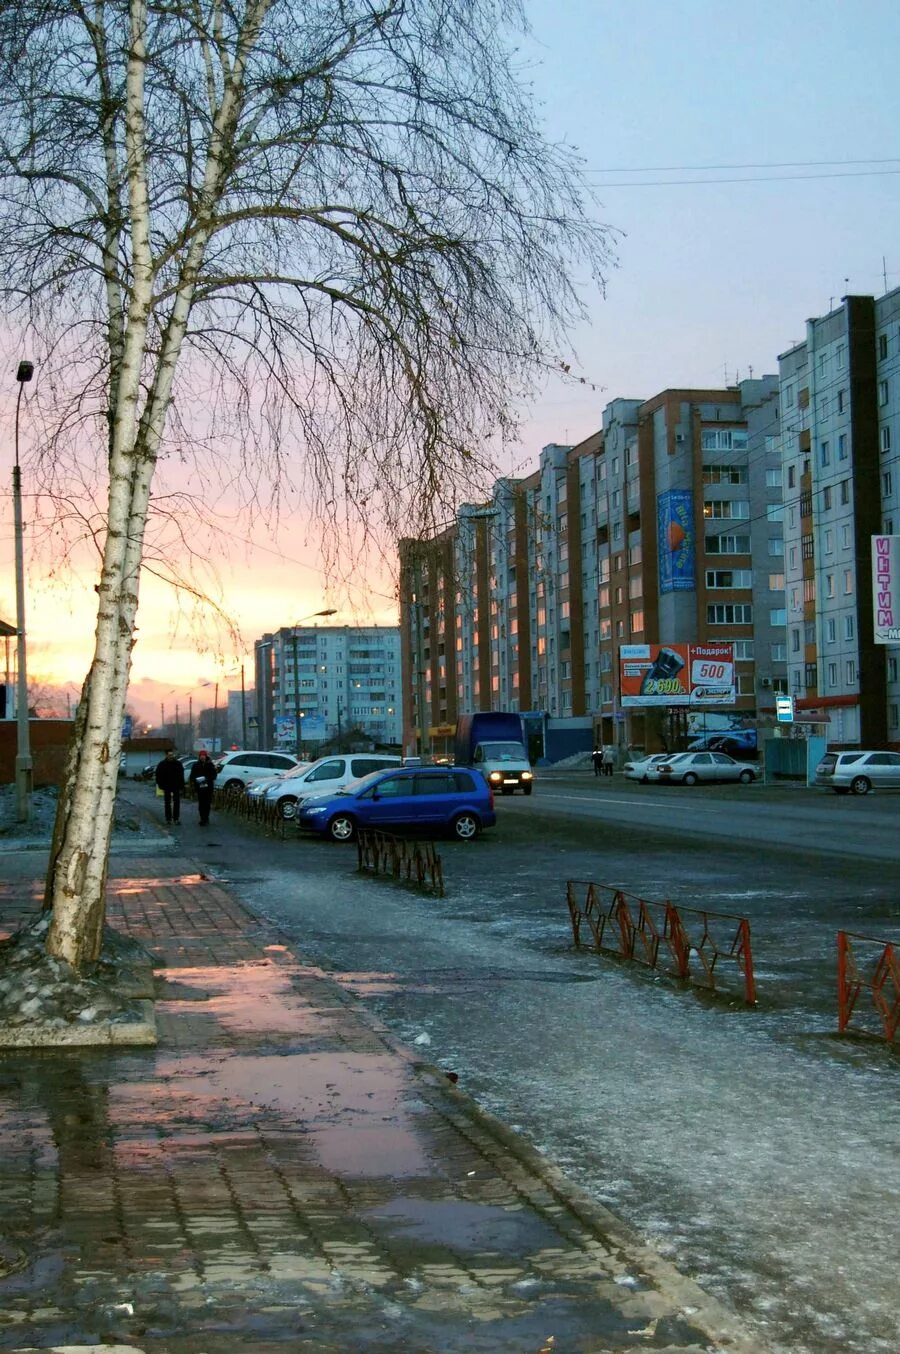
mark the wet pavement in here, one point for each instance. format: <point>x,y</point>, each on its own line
<point>279,1173</point>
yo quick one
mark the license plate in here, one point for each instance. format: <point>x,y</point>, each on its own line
<point>510,782</point>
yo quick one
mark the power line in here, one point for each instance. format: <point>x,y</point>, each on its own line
<point>774,164</point>
<point>757,178</point>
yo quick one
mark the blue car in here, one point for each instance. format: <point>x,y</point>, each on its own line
<point>438,798</point>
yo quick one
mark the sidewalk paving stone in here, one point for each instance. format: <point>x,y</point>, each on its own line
<point>279,1173</point>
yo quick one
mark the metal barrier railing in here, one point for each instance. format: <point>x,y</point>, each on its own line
<point>252,809</point>
<point>641,930</point>
<point>415,862</point>
<point>877,969</point>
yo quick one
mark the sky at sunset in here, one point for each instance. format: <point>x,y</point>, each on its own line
<point>783,110</point>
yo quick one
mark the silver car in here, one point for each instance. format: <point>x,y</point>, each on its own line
<point>639,768</point>
<point>687,768</point>
<point>859,772</point>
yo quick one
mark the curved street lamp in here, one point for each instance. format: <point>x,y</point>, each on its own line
<point>24,764</point>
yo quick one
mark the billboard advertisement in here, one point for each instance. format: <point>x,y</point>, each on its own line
<point>675,540</point>
<point>886,588</point>
<point>676,674</point>
<point>285,729</point>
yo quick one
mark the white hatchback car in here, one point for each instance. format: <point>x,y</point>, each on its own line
<point>324,777</point>
<point>859,772</point>
<point>237,769</point>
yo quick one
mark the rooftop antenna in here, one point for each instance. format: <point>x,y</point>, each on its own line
<point>750,369</point>
<point>884,271</point>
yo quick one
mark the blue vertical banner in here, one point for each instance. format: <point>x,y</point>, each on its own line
<point>676,540</point>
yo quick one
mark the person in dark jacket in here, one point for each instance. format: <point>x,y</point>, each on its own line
<point>170,779</point>
<point>203,778</point>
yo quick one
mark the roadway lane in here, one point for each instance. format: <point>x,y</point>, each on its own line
<point>773,816</point>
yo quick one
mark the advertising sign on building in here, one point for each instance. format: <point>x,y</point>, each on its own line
<point>676,674</point>
<point>886,588</point>
<point>675,540</point>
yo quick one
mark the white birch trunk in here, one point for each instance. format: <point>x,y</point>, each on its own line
<point>76,884</point>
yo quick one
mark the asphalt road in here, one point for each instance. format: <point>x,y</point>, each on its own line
<point>752,1146</point>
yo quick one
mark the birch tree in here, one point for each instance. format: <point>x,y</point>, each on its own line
<point>342,209</point>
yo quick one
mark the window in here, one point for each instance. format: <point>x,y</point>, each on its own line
<point>848,582</point>
<point>795,599</point>
<point>776,582</point>
<point>729,578</point>
<point>826,498</point>
<point>745,685</point>
<point>793,557</point>
<point>894,716</point>
<point>635,586</point>
<point>778,615</point>
<point>840,355</point>
<point>885,438</point>
<point>773,479</point>
<point>882,347</point>
<point>830,630</point>
<point>832,674</point>
<point>743,650</point>
<point>842,447</point>
<point>724,474</point>
<point>807,546</point>
<point>887,484</point>
<point>829,585</point>
<point>775,512</point>
<point>723,439</point>
<point>883,392</point>
<point>776,545</point>
<point>809,589</point>
<point>810,676</point>
<point>778,653</point>
<point>850,671</point>
<point>726,507</point>
<point>728,545</point>
<point>727,613</point>
<point>824,453</point>
<point>637,622</point>
<point>795,641</point>
<point>840,400</point>
<point>845,536</point>
<point>792,477</point>
<point>849,627</point>
<point>845,492</point>
<point>828,541</point>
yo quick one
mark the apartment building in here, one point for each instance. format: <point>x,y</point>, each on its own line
<point>525,602</point>
<point>331,679</point>
<point>840,406</point>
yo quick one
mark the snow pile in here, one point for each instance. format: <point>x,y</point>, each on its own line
<point>36,989</point>
<point>43,816</point>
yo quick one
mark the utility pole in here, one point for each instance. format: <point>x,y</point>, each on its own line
<point>191,723</point>
<point>24,765</point>
<point>243,710</point>
<point>215,727</point>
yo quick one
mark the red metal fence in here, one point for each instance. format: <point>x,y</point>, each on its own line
<point>687,942</point>
<point>865,962</point>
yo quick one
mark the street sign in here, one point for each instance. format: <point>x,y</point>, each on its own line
<point>784,709</point>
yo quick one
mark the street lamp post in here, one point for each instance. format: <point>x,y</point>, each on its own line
<point>23,746</point>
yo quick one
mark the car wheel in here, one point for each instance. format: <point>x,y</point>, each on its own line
<point>466,827</point>
<point>342,828</point>
<point>689,779</point>
<point>746,777</point>
<point>287,807</point>
<point>232,785</point>
<point>860,785</point>
<point>527,789</point>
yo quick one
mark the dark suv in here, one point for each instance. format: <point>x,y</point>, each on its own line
<point>434,797</point>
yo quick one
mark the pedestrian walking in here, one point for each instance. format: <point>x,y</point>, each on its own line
<point>597,760</point>
<point>609,759</point>
<point>203,778</point>
<point>170,779</point>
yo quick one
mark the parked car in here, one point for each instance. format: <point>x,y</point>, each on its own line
<point>638,767</point>
<point>438,798</point>
<point>859,772</point>
<point>324,776</point>
<point>687,768</point>
<point>257,789</point>
<point>237,769</point>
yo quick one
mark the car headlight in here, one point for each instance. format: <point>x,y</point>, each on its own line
<point>527,775</point>
<point>495,775</point>
<point>309,810</point>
